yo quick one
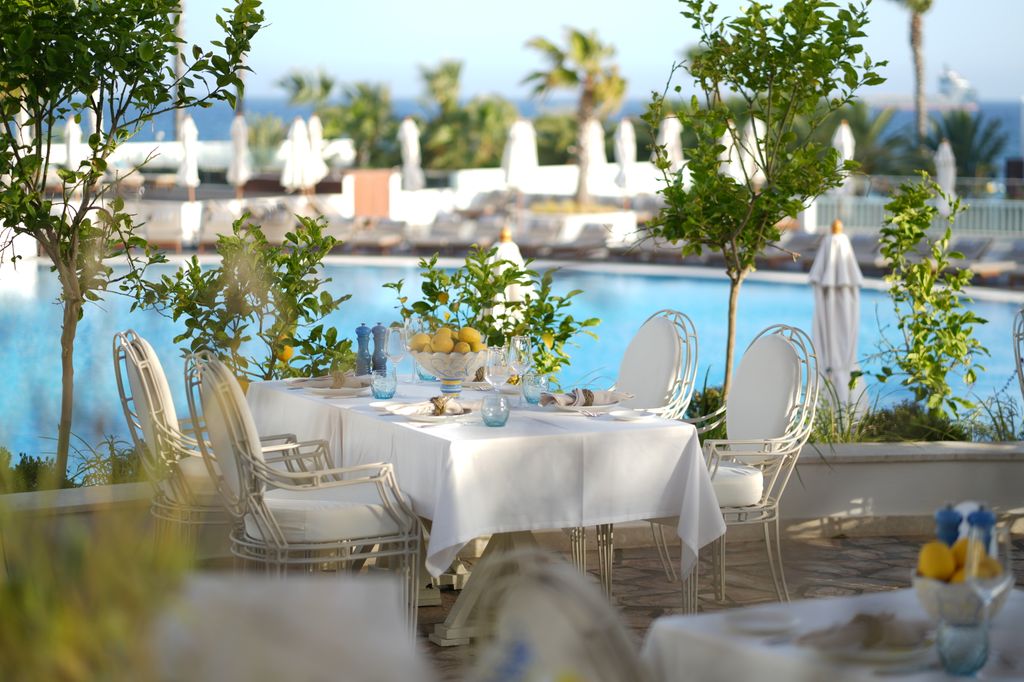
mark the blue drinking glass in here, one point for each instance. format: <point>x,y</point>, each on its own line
<point>533,385</point>
<point>384,384</point>
<point>494,409</point>
<point>963,648</point>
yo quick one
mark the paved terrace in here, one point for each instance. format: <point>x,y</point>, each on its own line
<point>815,568</point>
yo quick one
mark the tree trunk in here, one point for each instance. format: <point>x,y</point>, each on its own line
<point>72,309</point>
<point>179,67</point>
<point>920,120</point>
<point>730,343</point>
<point>583,116</point>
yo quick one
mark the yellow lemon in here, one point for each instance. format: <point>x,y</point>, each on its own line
<point>936,561</point>
<point>469,335</point>
<point>476,347</point>
<point>442,343</point>
<point>462,347</point>
<point>960,551</point>
<point>548,338</point>
<point>419,342</point>
<point>285,354</point>
<point>990,568</point>
<point>958,577</point>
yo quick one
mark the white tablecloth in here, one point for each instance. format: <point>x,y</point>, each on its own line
<point>543,470</point>
<point>704,648</point>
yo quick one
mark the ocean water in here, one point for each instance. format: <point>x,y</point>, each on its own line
<point>215,123</point>
<point>30,337</point>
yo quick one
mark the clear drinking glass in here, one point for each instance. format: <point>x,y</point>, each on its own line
<point>494,409</point>
<point>383,384</point>
<point>963,645</point>
<point>519,354</point>
<point>533,385</point>
<point>396,344</point>
<point>498,369</point>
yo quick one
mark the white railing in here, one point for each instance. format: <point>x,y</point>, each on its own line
<point>984,217</point>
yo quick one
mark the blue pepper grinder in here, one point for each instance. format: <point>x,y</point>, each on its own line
<point>985,520</point>
<point>947,524</point>
<point>380,360</point>
<point>363,350</point>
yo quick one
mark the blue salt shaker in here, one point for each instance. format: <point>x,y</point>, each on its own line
<point>362,350</point>
<point>985,520</point>
<point>379,361</point>
<point>947,524</point>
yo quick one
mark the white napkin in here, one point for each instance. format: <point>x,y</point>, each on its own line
<point>869,631</point>
<point>584,397</point>
<point>352,381</point>
<point>426,407</point>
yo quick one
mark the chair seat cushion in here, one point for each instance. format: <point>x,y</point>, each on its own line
<point>327,515</point>
<point>737,485</point>
<point>193,469</point>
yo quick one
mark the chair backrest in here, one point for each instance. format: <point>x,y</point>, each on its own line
<point>216,399</point>
<point>1018,347</point>
<point>659,366</point>
<point>146,401</point>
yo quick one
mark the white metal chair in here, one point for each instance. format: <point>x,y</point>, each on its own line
<point>330,518</point>
<point>768,415</point>
<point>184,496</point>
<point>659,368</point>
<point>1018,347</point>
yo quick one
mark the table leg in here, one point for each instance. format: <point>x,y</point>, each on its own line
<point>689,590</point>
<point>605,550</point>
<point>461,625</point>
<point>578,543</point>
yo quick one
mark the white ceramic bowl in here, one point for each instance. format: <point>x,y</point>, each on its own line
<point>451,366</point>
<point>956,602</point>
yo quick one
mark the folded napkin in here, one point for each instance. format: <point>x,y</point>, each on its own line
<point>870,631</point>
<point>351,381</point>
<point>430,407</point>
<point>584,397</point>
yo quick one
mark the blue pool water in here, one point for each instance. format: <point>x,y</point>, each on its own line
<point>30,331</point>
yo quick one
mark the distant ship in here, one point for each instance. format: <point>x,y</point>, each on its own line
<point>955,88</point>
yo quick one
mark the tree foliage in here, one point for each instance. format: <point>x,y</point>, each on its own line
<point>259,304</point>
<point>799,62</point>
<point>61,59</point>
<point>935,325</point>
<point>977,142</point>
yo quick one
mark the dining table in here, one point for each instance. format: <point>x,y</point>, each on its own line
<point>546,469</point>
<point>764,643</point>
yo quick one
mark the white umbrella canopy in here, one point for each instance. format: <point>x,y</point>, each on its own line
<point>945,173</point>
<point>519,158</point>
<point>73,143</point>
<point>508,250</point>
<point>844,143</point>
<point>317,167</point>
<point>594,139</point>
<point>188,171</point>
<point>624,147</point>
<point>836,280</point>
<point>294,176</point>
<point>409,144</point>
<point>670,136</point>
<point>240,167</point>
<point>752,149</point>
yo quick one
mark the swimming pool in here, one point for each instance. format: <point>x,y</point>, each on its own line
<point>621,296</point>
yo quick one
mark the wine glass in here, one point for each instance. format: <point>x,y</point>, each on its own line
<point>519,356</point>
<point>396,344</point>
<point>498,369</point>
<point>963,642</point>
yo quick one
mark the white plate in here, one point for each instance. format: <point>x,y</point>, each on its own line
<point>761,623</point>
<point>632,415</point>
<point>309,382</point>
<point>507,389</point>
<point>383,405</point>
<point>880,656</point>
<point>436,419</point>
<point>341,392</point>
<point>590,408</point>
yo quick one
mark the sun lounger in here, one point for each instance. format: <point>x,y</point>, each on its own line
<point>795,250</point>
<point>377,237</point>
<point>592,242</point>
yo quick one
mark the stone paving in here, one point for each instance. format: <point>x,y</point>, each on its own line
<point>814,568</point>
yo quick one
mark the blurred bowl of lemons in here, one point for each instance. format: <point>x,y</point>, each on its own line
<point>452,355</point>
<point>942,589</point>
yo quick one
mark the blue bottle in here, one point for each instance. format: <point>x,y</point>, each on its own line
<point>985,520</point>
<point>947,524</point>
<point>362,349</point>
<point>379,359</point>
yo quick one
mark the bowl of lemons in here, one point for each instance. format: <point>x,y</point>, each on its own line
<point>451,355</point>
<point>943,591</point>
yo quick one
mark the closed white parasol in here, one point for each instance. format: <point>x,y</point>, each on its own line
<point>240,168</point>
<point>73,143</point>
<point>188,171</point>
<point>624,146</point>
<point>295,175</point>
<point>519,158</point>
<point>836,279</point>
<point>318,169</point>
<point>945,173</point>
<point>409,144</point>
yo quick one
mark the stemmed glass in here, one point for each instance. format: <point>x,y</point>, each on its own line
<point>519,356</point>
<point>498,368</point>
<point>396,344</point>
<point>963,646</point>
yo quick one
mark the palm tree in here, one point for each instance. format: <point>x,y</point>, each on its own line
<point>976,142</point>
<point>488,120</point>
<point>917,10</point>
<point>307,87</point>
<point>584,64</point>
<point>879,151</point>
<point>367,117</point>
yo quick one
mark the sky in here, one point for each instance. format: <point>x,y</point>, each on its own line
<point>386,41</point>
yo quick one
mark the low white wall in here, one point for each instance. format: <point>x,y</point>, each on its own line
<point>419,207</point>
